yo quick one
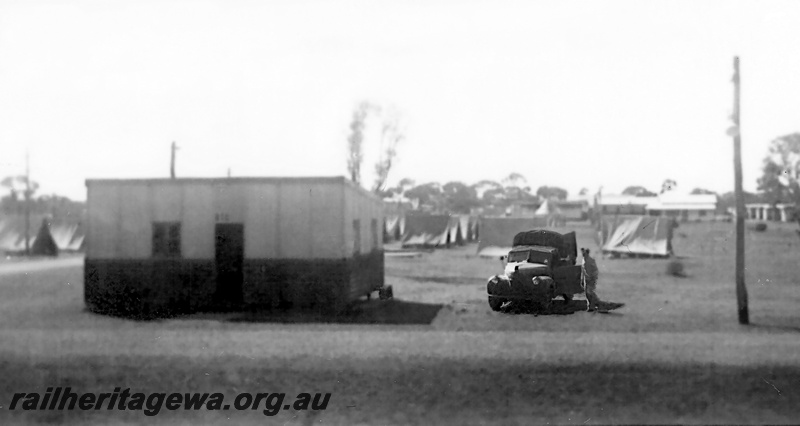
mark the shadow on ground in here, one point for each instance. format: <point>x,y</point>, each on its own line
<point>363,312</point>
<point>559,307</point>
<point>447,280</point>
<point>774,327</point>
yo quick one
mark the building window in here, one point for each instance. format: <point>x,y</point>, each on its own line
<point>166,239</point>
<point>374,228</point>
<point>356,236</point>
<point>701,213</point>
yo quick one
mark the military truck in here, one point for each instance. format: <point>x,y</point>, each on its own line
<point>539,267</point>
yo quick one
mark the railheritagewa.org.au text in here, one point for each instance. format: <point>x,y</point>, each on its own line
<point>151,404</point>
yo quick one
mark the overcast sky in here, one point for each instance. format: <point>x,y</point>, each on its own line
<point>572,94</point>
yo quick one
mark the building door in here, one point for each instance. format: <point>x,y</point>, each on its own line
<point>229,257</point>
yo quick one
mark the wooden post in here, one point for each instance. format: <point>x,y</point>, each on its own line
<point>741,290</point>
<point>172,161</point>
<point>27,204</point>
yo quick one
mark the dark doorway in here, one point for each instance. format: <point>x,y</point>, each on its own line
<point>229,256</point>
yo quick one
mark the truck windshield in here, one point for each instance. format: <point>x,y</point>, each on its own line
<point>539,257</point>
<point>518,256</point>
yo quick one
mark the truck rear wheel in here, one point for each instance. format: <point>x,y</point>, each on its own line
<point>496,302</point>
<point>385,293</point>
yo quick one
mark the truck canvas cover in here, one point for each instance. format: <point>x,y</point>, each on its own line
<point>496,234</point>
<point>564,243</point>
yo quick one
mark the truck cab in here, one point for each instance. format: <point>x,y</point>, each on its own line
<point>540,266</point>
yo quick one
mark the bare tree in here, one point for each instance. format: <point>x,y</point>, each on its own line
<point>355,152</point>
<point>391,135</point>
<point>19,185</point>
<point>668,185</point>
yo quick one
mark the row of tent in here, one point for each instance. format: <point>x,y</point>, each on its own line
<point>430,230</point>
<point>616,235</point>
<point>46,236</point>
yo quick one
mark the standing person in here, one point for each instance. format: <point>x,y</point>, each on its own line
<point>589,275</point>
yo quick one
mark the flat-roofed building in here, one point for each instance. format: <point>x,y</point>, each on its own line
<point>684,207</point>
<point>155,247</point>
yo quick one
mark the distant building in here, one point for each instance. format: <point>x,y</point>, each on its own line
<point>574,210</point>
<point>684,207</point>
<point>623,204</point>
<point>781,212</point>
<point>523,209</point>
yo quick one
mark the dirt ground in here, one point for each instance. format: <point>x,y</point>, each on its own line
<point>674,353</point>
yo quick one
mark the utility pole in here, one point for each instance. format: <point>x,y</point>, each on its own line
<point>741,290</point>
<point>27,203</point>
<point>172,161</point>
<point>597,212</point>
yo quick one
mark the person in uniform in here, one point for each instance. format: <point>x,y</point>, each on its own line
<point>589,275</point>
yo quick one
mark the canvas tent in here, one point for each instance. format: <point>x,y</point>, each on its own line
<point>551,213</point>
<point>454,228</point>
<point>394,227</point>
<point>497,233</point>
<point>44,243</point>
<point>636,235</point>
<point>12,232</point>
<point>45,235</point>
<point>474,228</point>
<point>464,222</point>
<point>67,236</point>
<point>430,230</point>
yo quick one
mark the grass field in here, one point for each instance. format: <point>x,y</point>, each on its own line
<point>438,355</point>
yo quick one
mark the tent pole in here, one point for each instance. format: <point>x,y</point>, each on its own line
<point>741,290</point>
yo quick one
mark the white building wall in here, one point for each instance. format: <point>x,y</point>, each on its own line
<point>311,220</point>
<point>326,217</point>
<point>103,212</point>
<point>283,218</point>
<point>262,228</point>
<point>295,222</point>
<point>165,201</point>
<point>134,224</point>
<point>197,224</point>
<point>364,207</point>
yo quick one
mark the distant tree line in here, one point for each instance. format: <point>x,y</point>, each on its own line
<point>13,202</point>
<point>459,197</point>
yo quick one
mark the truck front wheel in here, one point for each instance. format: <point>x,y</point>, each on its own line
<point>496,302</point>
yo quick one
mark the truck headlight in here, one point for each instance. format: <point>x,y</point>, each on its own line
<point>536,280</point>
